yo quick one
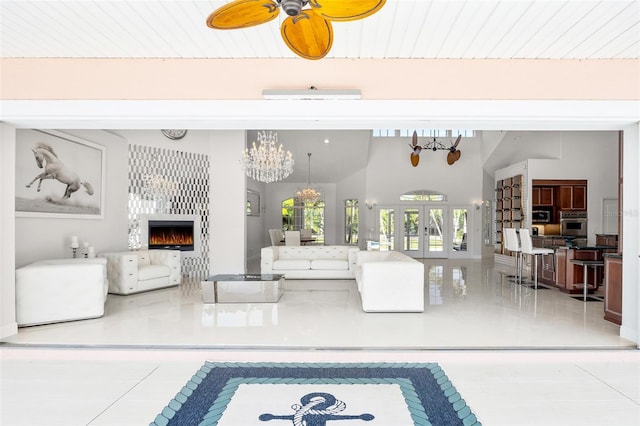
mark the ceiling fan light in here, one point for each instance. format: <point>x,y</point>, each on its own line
<point>292,7</point>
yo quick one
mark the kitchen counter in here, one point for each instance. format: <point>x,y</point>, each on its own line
<point>612,255</point>
<point>555,241</point>
<point>592,247</point>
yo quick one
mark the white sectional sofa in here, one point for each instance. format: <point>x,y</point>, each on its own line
<point>142,270</point>
<point>390,281</point>
<point>310,262</point>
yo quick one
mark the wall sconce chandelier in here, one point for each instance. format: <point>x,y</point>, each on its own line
<point>308,194</point>
<point>266,162</point>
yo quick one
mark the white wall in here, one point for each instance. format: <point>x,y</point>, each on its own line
<point>227,225</point>
<point>583,155</point>
<point>351,187</point>
<point>630,328</point>
<point>8,324</point>
<point>228,196</point>
<point>257,234</point>
<point>48,238</point>
<point>390,173</point>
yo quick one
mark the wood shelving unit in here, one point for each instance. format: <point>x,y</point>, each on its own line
<point>508,208</point>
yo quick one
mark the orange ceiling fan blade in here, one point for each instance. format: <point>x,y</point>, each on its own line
<point>341,10</point>
<point>243,14</point>
<point>308,35</point>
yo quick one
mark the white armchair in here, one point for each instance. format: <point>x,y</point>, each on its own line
<point>143,270</point>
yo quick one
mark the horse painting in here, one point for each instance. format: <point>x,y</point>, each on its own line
<point>55,169</point>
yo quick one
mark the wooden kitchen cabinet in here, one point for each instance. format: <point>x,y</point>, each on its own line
<point>607,240</point>
<point>548,265</point>
<point>561,268</point>
<point>572,197</point>
<point>542,196</point>
<point>548,268</point>
<point>613,288</point>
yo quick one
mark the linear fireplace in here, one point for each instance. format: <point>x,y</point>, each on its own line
<point>171,234</point>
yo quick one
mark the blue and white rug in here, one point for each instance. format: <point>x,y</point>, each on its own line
<point>313,394</point>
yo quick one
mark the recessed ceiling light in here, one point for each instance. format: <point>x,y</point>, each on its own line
<point>326,141</point>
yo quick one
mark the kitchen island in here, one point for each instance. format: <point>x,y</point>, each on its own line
<point>560,272</point>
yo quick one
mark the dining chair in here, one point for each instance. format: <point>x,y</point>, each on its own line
<point>305,234</point>
<point>512,244</point>
<point>279,235</point>
<point>275,237</point>
<point>292,238</point>
<point>528,248</point>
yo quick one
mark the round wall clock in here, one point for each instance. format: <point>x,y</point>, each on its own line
<point>174,134</point>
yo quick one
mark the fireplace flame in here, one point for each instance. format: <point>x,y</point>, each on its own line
<point>163,238</point>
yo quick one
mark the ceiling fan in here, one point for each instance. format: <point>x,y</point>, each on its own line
<point>306,31</point>
<point>415,155</point>
<point>454,152</point>
<point>452,156</point>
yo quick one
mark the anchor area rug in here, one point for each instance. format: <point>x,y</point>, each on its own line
<point>317,394</point>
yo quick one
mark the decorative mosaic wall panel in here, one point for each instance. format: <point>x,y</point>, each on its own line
<point>167,182</point>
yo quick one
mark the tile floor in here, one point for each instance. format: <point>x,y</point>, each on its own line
<point>498,342</point>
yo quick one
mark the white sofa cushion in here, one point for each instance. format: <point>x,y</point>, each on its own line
<point>309,262</point>
<point>295,264</point>
<point>150,272</point>
<point>339,264</point>
<point>293,252</point>
<point>142,270</point>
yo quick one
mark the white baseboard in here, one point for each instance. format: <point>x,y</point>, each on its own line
<point>631,334</point>
<point>8,330</point>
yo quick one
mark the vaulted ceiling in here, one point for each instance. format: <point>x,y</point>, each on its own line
<point>564,29</point>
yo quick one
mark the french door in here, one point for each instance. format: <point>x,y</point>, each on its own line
<point>423,231</point>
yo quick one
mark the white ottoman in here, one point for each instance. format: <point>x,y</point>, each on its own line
<point>59,290</point>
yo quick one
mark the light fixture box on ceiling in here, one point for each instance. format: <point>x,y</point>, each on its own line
<point>311,94</point>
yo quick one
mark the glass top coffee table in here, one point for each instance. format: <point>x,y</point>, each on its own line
<point>242,288</point>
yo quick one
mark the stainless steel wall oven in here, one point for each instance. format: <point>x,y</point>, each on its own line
<point>573,223</point>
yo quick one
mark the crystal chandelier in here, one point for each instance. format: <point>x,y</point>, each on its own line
<point>266,163</point>
<point>308,194</point>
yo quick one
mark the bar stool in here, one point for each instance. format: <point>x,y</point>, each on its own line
<point>511,243</point>
<point>527,248</point>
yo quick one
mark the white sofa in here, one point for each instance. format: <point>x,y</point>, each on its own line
<point>58,290</point>
<point>309,262</point>
<point>390,281</point>
<point>143,270</point>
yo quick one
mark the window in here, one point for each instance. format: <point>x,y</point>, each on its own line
<point>459,234</point>
<point>386,226</point>
<point>423,195</point>
<point>424,133</point>
<point>351,221</point>
<point>384,133</point>
<point>466,133</point>
<point>296,216</point>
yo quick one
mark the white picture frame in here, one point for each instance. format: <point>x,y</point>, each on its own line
<point>70,183</point>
